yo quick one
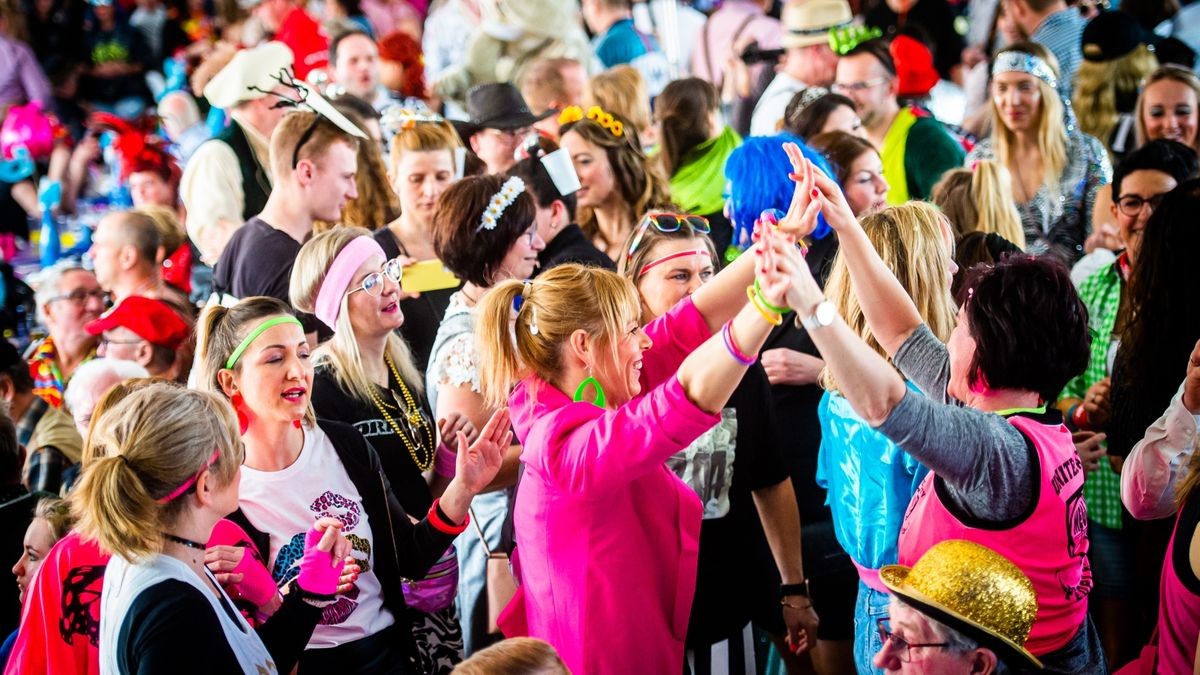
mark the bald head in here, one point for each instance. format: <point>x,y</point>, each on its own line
<point>179,112</point>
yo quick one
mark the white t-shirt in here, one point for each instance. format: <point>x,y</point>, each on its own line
<point>773,104</point>
<point>285,504</point>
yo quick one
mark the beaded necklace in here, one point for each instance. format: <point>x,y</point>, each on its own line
<point>416,421</point>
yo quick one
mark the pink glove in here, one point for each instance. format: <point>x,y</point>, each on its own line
<point>256,585</point>
<point>318,572</point>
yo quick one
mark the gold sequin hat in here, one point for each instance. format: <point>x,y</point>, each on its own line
<point>973,590</point>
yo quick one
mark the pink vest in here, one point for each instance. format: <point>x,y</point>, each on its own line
<point>1050,544</point>
<point>1179,601</point>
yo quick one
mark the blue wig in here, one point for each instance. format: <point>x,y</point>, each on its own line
<point>756,176</point>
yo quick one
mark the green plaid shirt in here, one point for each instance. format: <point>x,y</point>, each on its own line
<point>1101,292</point>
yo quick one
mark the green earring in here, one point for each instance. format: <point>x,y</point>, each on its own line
<point>599,400</point>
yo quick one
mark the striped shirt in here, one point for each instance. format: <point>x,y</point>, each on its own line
<point>1062,33</point>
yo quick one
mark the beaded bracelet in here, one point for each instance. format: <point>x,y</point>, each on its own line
<point>441,522</point>
<point>773,318</point>
<point>731,346</point>
<point>763,299</point>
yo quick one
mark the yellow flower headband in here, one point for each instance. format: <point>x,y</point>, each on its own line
<point>574,114</point>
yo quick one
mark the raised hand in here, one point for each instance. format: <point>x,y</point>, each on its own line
<point>772,278</point>
<point>478,462</point>
<point>838,213</point>
<point>451,424</point>
<point>801,217</point>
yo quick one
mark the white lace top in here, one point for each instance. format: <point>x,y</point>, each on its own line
<point>454,360</point>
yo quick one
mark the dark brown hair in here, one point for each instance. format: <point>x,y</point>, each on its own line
<point>682,111</point>
<point>473,253</point>
<point>842,150</point>
<point>808,121</point>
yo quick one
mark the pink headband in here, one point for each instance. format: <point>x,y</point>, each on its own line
<point>337,279</point>
<point>681,254</point>
<point>191,481</point>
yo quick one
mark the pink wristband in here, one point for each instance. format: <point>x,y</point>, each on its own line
<point>318,573</point>
<point>445,463</point>
<point>256,585</point>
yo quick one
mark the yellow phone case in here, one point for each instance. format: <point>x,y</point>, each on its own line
<point>427,275</point>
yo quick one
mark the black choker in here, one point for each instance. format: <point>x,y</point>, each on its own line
<point>185,542</point>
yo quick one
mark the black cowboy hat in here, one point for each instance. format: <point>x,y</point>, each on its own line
<point>497,105</point>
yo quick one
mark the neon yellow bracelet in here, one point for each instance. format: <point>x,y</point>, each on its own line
<point>763,300</point>
<point>773,318</point>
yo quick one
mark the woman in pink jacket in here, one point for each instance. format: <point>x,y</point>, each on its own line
<point>607,536</point>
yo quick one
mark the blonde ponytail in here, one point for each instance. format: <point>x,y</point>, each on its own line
<point>161,437</point>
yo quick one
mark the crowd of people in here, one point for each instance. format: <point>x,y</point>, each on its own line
<point>536,336</point>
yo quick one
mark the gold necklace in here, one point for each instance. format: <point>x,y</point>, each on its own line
<point>414,418</point>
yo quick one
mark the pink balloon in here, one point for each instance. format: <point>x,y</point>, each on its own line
<point>26,125</point>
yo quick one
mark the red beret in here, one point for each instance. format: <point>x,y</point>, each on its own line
<point>914,66</point>
<point>152,320</point>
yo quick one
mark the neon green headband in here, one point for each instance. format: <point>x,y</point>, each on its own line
<point>262,327</point>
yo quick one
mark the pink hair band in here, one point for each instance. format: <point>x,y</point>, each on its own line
<point>187,485</point>
<point>341,272</point>
<point>681,254</point>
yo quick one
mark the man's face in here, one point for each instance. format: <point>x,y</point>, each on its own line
<point>272,13</point>
<point>122,343</point>
<point>357,67</point>
<point>496,147</point>
<point>328,181</point>
<point>862,78</point>
<point>106,251</point>
<point>79,300</point>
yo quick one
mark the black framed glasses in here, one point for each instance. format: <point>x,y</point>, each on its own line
<point>903,647</point>
<point>667,223</point>
<point>82,295</point>
<point>1131,205</point>
<point>372,284</point>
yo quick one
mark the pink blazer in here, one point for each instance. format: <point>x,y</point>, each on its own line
<point>607,537</point>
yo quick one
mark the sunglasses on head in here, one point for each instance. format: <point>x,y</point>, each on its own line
<point>667,223</point>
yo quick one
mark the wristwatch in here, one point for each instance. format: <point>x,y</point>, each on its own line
<point>822,316</point>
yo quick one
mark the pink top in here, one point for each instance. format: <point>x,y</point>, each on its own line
<point>1050,545</point>
<point>1179,598</point>
<point>607,536</point>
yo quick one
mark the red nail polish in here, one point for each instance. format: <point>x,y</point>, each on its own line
<point>815,193</point>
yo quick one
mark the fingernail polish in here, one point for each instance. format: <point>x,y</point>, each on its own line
<point>815,193</point>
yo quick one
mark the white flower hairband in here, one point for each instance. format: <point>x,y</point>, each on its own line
<point>508,194</point>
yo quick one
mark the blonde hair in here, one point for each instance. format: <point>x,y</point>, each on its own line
<point>514,656</point>
<point>564,299</point>
<point>115,394</point>
<point>220,332</point>
<point>289,132</point>
<point>170,231</point>
<point>909,240</point>
<point>1167,72</point>
<point>1051,131</point>
<point>56,513</point>
<point>422,137</point>
<point>162,436</point>
<point>1097,84</point>
<point>341,352</point>
<point>622,90</point>
<point>980,200</point>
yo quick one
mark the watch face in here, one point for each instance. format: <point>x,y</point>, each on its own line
<point>825,313</point>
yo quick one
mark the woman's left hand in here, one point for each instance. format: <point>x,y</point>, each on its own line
<point>802,292</point>
<point>773,278</point>
<point>478,462</point>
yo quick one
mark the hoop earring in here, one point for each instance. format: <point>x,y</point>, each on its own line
<point>599,399</point>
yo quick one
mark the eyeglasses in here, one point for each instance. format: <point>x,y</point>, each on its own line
<point>900,644</point>
<point>667,223</point>
<point>372,284</point>
<point>847,87</point>
<point>81,295</point>
<point>1131,205</point>
<point>510,134</point>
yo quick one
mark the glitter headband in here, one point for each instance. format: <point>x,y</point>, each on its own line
<point>253,335</point>
<point>187,484</point>
<point>1021,62</point>
<point>512,188</point>
<point>337,279</point>
<point>809,96</point>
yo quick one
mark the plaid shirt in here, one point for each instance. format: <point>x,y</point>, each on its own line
<point>47,468</point>
<point>1101,292</point>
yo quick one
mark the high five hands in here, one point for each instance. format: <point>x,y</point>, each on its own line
<point>815,193</point>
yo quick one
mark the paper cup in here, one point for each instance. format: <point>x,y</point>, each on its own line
<point>562,171</point>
